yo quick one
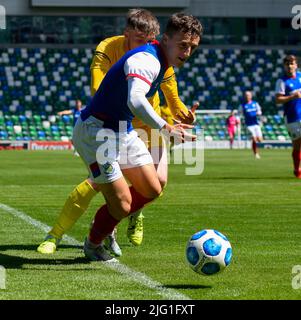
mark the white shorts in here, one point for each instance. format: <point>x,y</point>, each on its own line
<point>255,131</point>
<point>106,152</point>
<point>294,129</point>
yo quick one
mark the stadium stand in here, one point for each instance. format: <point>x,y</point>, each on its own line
<point>36,83</point>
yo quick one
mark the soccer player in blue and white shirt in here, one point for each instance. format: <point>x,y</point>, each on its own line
<point>251,110</point>
<point>104,132</point>
<point>74,111</point>
<point>288,94</point>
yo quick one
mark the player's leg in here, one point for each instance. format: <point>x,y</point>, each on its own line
<point>258,138</point>
<point>159,155</point>
<point>135,219</point>
<point>294,130</point>
<point>296,155</point>
<point>135,225</point>
<point>79,199</point>
<point>75,205</point>
<point>252,130</point>
<point>254,146</point>
<point>85,142</point>
<point>157,149</point>
<point>112,245</point>
<point>120,202</point>
<point>145,188</point>
<point>231,137</point>
<point>229,134</point>
<point>155,154</point>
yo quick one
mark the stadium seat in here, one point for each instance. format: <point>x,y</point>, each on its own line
<point>42,81</point>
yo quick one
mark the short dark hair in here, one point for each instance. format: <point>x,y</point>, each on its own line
<point>184,23</point>
<point>289,59</point>
<point>143,20</point>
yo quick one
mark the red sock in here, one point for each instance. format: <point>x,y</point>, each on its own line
<point>296,154</point>
<point>254,146</point>
<point>138,201</point>
<point>103,225</point>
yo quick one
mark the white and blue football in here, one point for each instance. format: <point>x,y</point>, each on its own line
<point>208,252</point>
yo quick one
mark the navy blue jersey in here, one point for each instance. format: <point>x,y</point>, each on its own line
<point>250,111</point>
<point>76,114</point>
<point>109,103</point>
<point>287,86</point>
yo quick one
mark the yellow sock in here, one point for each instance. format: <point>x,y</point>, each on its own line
<point>75,205</point>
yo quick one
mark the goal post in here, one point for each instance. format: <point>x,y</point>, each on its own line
<point>213,123</point>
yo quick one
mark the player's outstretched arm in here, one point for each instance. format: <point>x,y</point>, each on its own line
<point>187,117</point>
<point>141,108</point>
<point>64,112</point>
<point>178,109</point>
<point>178,132</point>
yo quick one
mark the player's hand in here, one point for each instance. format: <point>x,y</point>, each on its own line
<point>297,95</point>
<point>178,132</point>
<point>188,118</point>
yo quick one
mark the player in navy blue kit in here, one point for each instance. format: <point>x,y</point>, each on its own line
<point>288,94</point>
<point>74,111</point>
<point>104,135</point>
<point>251,110</point>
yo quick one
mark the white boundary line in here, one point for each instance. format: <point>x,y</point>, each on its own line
<point>139,277</point>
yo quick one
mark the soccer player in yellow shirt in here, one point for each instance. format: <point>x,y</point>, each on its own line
<point>141,27</point>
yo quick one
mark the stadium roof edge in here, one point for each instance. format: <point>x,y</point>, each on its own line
<point>92,46</point>
<point>109,3</point>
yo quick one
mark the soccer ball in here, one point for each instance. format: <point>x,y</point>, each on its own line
<point>208,252</point>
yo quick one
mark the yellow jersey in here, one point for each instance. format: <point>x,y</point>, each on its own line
<point>166,114</point>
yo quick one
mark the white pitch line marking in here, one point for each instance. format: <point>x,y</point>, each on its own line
<point>136,276</point>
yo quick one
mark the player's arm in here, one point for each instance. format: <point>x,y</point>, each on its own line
<point>64,112</point>
<point>258,109</point>
<point>141,108</point>
<point>237,118</point>
<point>141,71</point>
<point>101,63</point>
<point>139,105</point>
<point>170,90</point>
<point>280,97</point>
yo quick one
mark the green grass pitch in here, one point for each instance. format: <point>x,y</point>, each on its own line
<point>256,203</point>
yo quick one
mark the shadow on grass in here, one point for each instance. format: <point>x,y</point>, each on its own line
<point>15,262</point>
<point>187,286</point>
<point>33,247</point>
<point>10,261</point>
